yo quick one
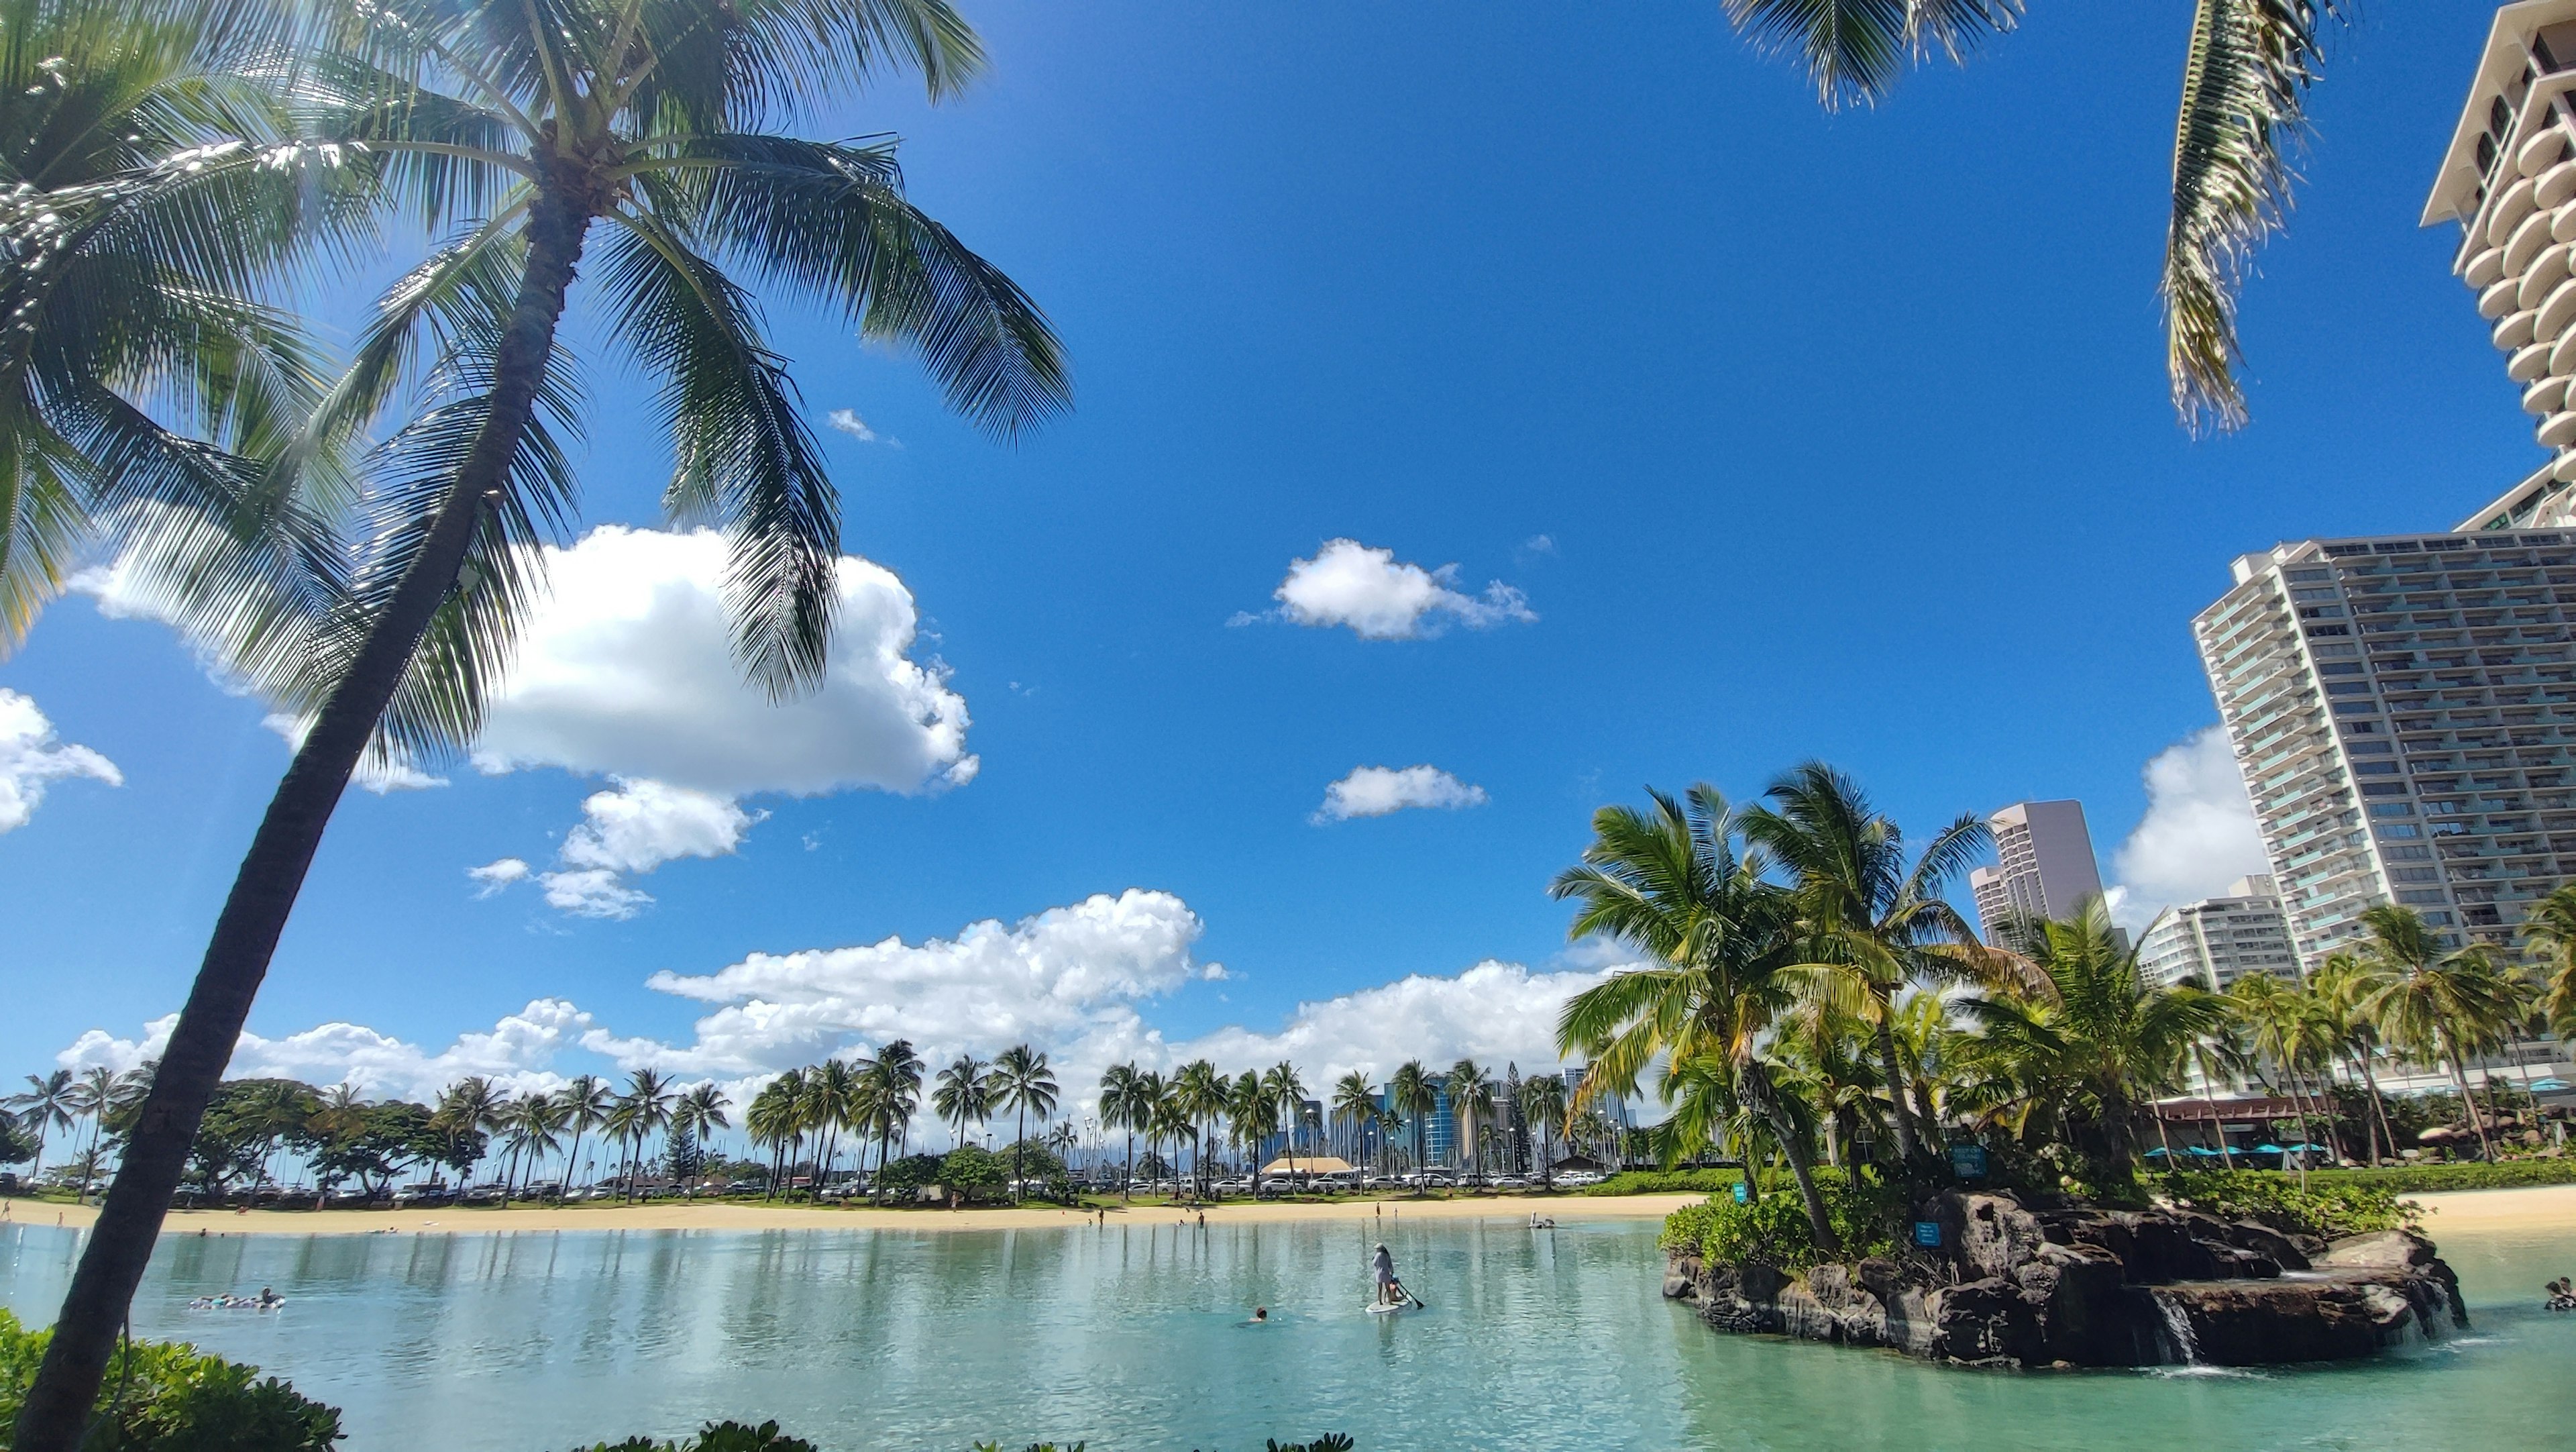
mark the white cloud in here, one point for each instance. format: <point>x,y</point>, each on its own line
<point>31,756</point>
<point>1374,791</point>
<point>494,876</point>
<point>847,420</point>
<point>592,892</point>
<point>516,1053</point>
<point>1495,1013</point>
<point>2197,836</point>
<point>644,824</point>
<point>627,670</point>
<point>1348,583</point>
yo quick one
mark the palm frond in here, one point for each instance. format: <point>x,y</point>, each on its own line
<point>1855,50</point>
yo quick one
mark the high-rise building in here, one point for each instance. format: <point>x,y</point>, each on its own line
<point>2043,866</point>
<point>2218,940</point>
<point>2403,711</point>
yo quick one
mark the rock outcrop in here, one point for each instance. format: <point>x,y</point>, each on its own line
<point>2084,1287</point>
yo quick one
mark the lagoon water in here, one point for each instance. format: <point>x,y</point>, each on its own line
<point>1134,1337</point>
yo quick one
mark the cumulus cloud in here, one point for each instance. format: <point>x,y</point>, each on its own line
<point>636,828</point>
<point>593,892</point>
<point>491,877</point>
<point>1374,791</point>
<point>847,420</point>
<point>2197,836</point>
<point>516,1053</point>
<point>1496,1013</point>
<point>31,756</point>
<point>1348,583</point>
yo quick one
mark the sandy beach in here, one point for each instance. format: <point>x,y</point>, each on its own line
<point>2546,1207</point>
<point>679,1215</point>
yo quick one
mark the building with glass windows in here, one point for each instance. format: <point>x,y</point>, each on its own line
<point>2220,939</point>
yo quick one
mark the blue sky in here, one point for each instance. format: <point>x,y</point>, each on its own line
<point>1798,435</point>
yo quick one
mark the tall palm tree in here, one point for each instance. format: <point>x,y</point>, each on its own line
<point>1289,1092</point>
<point>1254,1112</point>
<point>1471,1095</point>
<point>2549,930</point>
<point>1410,1094</point>
<point>535,1126</point>
<point>775,1118</point>
<point>2094,1026</point>
<point>699,1113</point>
<point>1726,962</point>
<point>467,1109</point>
<point>635,1116</point>
<point>1022,1083</point>
<point>893,1094</point>
<point>45,1106</point>
<point>2245,78</point>
<point>89,1098</point>
<point>1543,1104</point>
<point>2429,1002</point>
<point>963,1093</point>
<point>1161,1117</point>
<point>511,130</point>
<point>1881,924</point>
<point>1119,1109</point>
<point>1354,1105</point>
<point>586,1101</point>
<point>1199,1094</point>
<point>2340,982</point>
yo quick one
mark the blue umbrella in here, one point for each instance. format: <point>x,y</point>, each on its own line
<point>2267,1149</point>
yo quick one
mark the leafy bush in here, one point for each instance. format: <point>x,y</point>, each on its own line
<point>166,1397</point>
<point>2471,1175</point>
<point>2322,1207</point>
<point>714,1437</point>
<point>1865,1214</point>
<point>1668,1182</point>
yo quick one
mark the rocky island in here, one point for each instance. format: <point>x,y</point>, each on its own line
<point>2011,1286</point>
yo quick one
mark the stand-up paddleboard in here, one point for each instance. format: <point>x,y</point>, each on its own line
<point>1390,1310</point>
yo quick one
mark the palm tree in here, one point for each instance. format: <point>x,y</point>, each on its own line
<point>1119,1109</point>
<point>1199,1094</point>
<point>1727,962</point>
<point>469,1107</point>
<point>2549,929</point>
<point>776,1119</point>
<point>585,1102</point>
<point>2098,1030</point>
<point>1355,1105</point>
<point>1254,1111</point>
<point>1543,1104</point>
<point>46,1105</point>
<point>1022,1082</point>
<point>2244,83</point>
<point>1471,1094</point>
<point>152,209</point>
<point>2430,1003</point>
<point>89,1098</point>
<point>535,1126</point>
<point>1289,1092</point>
<point>2339,984</point>
<point>892,1094</point>
<point>963,1093</point>
<point>577,112</point>
<point>1410,1094</point>
<point>637,1115</point>
<point>700,1112</point>
<point>1878,923</point>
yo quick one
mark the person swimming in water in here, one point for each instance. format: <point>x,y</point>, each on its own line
<point>1261,1315</point>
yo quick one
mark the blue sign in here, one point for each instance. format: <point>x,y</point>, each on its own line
<point>1742,1196</point>
<point>1927,1233</point>
<point>1968,1161</point>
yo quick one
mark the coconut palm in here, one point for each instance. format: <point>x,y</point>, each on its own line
<point>963,1093</point>
<point>47,1104</point>
<point>1167,1120</point>
<point>2339,983</point>
<point>1199,1093</point>
<point>2246,72</point>
<point>635,1116</point>
<point>1543,1104</point>
<point>1471,1098</point>
<point>892,1093</point>
<point>835,1099</point>
<point>1354,1105</point>
<point>776,1118</point>
<point>511,131</point>
<point>1022,1084</point>
<point>1120,1108</point>
<point>2095,1033</point>
<point>1254,1112</point>
<point>1289,1092</point>
<point>88,1099</point>
<point>2428,1002</point>
<point>467,1109</point>
<point>1880,924</point>
<point>534,1126</point>
<point>699,1113</point>
<point>1409,1093</point>
<point>1727,962</point>
<point>2549,930</point>
<point>585,1102</point>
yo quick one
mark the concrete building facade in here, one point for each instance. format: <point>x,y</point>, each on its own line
<point>2220,939</point>
<point>2043,866</point>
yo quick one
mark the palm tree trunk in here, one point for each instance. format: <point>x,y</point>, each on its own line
<point>1907,1147</point>
<point>2460,1076</point>
<point>272,872</point>
<point>1794,1147</point>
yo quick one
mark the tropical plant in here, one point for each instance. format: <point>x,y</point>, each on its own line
<point>2427,1001</point>
<point>89,1098</point>
<point>466,1109</point>
<point>1880,925</point>
<point>534,1127</point>
<point>646,118</point>
<point>45,1105</point>
<point>1726,961</point>
<point>776,1118</point>
<point>1543,1105</point>
<point>1471,1099</point>
<point>891,1092</point>
<point>1198,1094</point>
<point>1254,1111</point>
<point>1022,1083</point>
<point>700,1112</point>
<point>2549,929</point>
<point>963,1094</point>
<point>2094,1035</point>
<point>585,1100</point>
<point>1410,1094</point>
<point>1288,1093</point>
<point>164,1396</point>
<point>636,1115</point>
<point>1120,1108</point>
<point>2246,72</point>
<point>1355,1106</point>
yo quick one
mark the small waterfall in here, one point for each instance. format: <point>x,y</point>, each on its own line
<point>2180,1343</point>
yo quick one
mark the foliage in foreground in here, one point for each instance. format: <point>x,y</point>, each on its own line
<point>739,1437</point>
<point>2320,1207</point>
<point>169,1398</point>
<point>2461,1175</point>
<point>1670,1182</point>
<point>1865,1213</point>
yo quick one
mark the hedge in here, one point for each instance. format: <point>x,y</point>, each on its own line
<point>1774,1230</point>
<point>2469,1175</point>
<point>2321,1207</point>
<point>166,1397</point>
<point>1670,1182</point>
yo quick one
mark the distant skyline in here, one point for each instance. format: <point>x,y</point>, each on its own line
<point>1483,414</point>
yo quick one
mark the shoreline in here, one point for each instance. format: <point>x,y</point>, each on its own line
<point>681,1215</point>
<point>2521,1208</point>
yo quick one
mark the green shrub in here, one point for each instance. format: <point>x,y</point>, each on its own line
<point>713,1437</point>
<point>166,1397</point>
<point>2433,1179</point>
<point>1865,1213</point>
<point>2321,1207</point>
<point>1668,1182</point>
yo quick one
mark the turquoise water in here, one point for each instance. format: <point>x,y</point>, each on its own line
<point>1133,1337</point>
